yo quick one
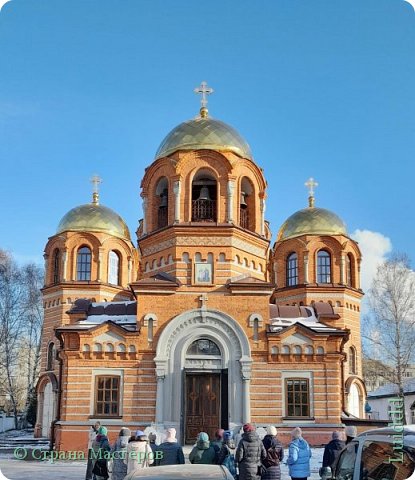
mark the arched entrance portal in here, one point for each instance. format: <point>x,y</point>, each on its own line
<point>203,367</point>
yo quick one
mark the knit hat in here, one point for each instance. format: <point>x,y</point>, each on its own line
<point>350,431</point>
<point>248,427</point>
<point>125,432</point>
<point>271,430</point>
<point>203,437</point>
<point>102,431</point>
<point>171,435</point>
<point>336,435</point>
<point>139,433</point>
<point>227,435</point>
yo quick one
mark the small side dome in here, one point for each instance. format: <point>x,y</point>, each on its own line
<point>312,221</point>
<point>93,217</point>
<point>204,133</point>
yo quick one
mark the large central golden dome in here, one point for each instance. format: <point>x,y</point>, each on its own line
<point>93,217</point>
<point>204,133</point>
<point>312,221</point>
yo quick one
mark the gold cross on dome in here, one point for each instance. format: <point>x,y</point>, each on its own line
<point>311,184</point>
<point>95,180</point>
<point>203,90</point>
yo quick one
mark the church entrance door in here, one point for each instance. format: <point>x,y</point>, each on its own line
<point>203,404</point>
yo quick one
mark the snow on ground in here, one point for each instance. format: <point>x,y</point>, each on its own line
<point>67,470</point>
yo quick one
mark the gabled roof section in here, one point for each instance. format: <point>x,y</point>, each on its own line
<point>123,314</point>
<point>283,317</point>
<point>161,278</point>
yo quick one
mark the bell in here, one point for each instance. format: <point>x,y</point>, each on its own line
<point>243,203</point>
<point>163,199</point>
<point>204,193</point>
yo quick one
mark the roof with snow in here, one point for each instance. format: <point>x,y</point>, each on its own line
<point>391,389</point>
<point>284,316</point>
<point>123,314</point>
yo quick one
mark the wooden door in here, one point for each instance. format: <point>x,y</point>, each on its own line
<point>202,405</point>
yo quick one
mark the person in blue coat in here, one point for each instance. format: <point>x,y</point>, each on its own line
<point>299,454</point>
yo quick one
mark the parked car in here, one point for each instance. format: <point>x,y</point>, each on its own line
<point>379,454</point>
<point>178,472</point>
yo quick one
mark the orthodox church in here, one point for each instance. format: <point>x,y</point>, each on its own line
<point>203,323</point>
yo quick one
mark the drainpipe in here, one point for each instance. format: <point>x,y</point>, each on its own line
<point>343,390</point>
<point>59,406</point>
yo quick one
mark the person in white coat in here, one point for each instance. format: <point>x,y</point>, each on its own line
<point>139,453</point>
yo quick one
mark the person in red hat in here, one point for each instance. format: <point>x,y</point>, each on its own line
<point>250,454</point>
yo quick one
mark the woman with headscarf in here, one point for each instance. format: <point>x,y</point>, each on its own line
<point>275,454</point>
<point>119,453</point>
<point>101,448</point>
<point>139,454</point>
<point>202,452</point>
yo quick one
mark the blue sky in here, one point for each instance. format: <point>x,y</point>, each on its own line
<point>321,88</point>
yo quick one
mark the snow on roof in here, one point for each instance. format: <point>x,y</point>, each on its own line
<point>391,389</point>
<point>97,319</point>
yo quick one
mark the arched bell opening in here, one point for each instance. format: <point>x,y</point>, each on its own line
<point>247,205</point>
<point>204,194</point>
<point>162,203</point>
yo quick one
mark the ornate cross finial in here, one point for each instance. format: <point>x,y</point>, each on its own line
<point>203,90</point>
<point>95,180</point>
<point>311,184</point>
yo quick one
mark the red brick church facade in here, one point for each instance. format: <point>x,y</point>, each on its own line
<point>204,323</point>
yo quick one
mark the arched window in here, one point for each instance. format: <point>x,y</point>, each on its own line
<point>113,268</point>
<point>204,192</point>
<point>51,356</point>
<point>56,266</point>
<point>323,267</point>
<point>349,270</point>
<point>83,264</point>
<point>292,270</point>
<point>162,194</point>
<point>203,346</point>
<point>352,361</point>
<point>247,205</point>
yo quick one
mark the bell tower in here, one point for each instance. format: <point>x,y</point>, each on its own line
<point>203,203</point>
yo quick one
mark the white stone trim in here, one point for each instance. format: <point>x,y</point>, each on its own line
<point>106,371</point>
<point>171,359</point>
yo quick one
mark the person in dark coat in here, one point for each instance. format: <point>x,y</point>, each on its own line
<point>169,452</point>
<point>275,454</point>
<point>203,452</point>
<point>226,454</point>
<point>249,454</point>
<point>101,446</point>
<point>332,450</point>
<point>351,433</point>
<point>217,442</point>
<point>119,450</point>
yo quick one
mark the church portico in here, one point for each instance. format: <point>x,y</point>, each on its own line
<point>202,343</point>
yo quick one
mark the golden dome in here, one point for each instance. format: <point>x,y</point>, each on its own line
<point>93,217</point>
<point>312,221</point>
<point>204,133</point>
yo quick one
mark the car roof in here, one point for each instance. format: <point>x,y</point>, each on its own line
<point>178,472</point>
<point>408,433</point>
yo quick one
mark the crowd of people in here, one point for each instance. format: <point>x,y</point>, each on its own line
<point>246,456</point>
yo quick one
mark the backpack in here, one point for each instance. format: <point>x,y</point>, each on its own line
<point>229,463</point>
<point>272,459</point>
